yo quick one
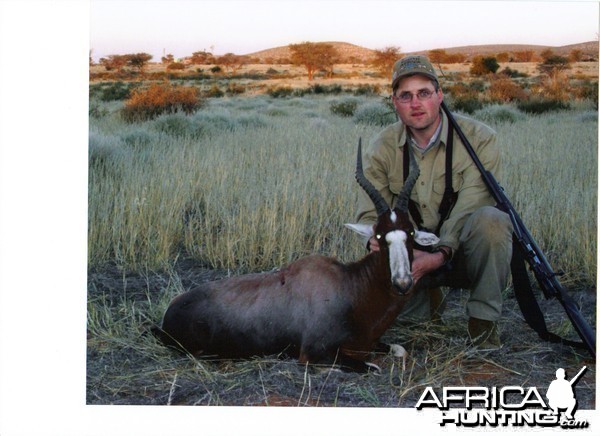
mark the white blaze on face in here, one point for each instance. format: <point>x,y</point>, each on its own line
<point>399,262</point>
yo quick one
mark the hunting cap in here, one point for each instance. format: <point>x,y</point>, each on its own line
<point>410,65</point>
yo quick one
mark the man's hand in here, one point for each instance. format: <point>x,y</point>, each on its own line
<point>424,262</point>
<point>373,244</point>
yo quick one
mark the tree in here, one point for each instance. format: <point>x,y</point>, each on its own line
<point>202,58</point>
<point>232,62</point>
<point>114,62</point>
<point>437,56</point>
<point>385,59</point>
<point>138,60</point>
<point>524,56</point>
<point>314,57</point>
<point>552,63</point>
<point>168,59</point>
<point>484,65</point>
<point>575,55</point>
<point>503,57</point>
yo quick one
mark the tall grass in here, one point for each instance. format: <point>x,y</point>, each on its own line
<point>263,190</point>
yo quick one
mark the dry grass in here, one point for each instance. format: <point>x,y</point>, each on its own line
<point>251,183</point>
<point>127,366</point>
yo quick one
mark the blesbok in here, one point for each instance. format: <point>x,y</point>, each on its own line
<point>316,309</point>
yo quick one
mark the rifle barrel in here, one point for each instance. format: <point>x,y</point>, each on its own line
<point>542,270</point>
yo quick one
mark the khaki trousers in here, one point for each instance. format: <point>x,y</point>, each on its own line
<point>481,264</point>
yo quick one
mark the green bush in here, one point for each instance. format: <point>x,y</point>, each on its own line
<point>280,91</point>
<point>214,92</point>
<point>213,121</point>
<point>115,91</point>
<point>541,105</point>
<point>367,90</point>
<point>499,114</point>
<point>178,125</point>
<point>344,108</point>
<point>466,104</point>
<point>375,113</point>
<point>326,89</point>
<point>138,137</point>
<point>235,89</point>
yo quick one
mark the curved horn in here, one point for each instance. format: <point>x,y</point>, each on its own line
<point>404,195</point>
<point>380,204</point>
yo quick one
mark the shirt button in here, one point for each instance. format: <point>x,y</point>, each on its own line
<point>424,206</point>
<point>422,183</point>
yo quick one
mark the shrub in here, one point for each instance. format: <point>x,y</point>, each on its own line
<point>95,111</point>
<point>367,90</point>
<point>376,113</point>
<point>115,91</point>
<point>280,91</point>
<point>344,108</point>
<point>276,112</point>
<point>137,138</point>
<point>587,90</point>
<point>466,104</point>
<point>484,65</point>
<point>213,122</point>
<point>159,99</point>
<point>513,74</point>
<point>499,114</point>
<point>235,89</point>
<point>504,90</point>
<point>214,92</point>
<point>176,125</point>
<point>253,121</point>
<point>326,89</point>
<point>176,66</point>
<point>541,105</point>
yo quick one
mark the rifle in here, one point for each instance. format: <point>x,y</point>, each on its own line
<point>525,248</point>
<point>576,378</point>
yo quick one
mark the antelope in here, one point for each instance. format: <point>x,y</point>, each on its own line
<point>316,309</point>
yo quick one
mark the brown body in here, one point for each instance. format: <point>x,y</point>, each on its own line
<point>316,309</point>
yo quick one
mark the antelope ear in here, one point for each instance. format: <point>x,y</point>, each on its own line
<point>365,230</point>
<point>425,238</point>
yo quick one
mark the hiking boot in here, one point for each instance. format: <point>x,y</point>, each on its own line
<point>484,334</point>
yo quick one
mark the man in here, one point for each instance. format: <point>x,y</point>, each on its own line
<point>475,245</point>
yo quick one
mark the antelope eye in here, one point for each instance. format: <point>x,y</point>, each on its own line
<point>378,236</point>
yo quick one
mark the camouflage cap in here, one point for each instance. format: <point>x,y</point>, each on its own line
<point>410,65</point>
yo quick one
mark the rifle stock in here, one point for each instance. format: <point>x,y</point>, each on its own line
<point>534,256</point>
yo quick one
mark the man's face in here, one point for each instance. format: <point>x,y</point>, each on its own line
<point>418,114</point>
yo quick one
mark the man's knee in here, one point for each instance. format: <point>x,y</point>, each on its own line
<point>489,224</point>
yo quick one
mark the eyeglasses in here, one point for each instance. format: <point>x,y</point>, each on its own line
<point>406,97</point>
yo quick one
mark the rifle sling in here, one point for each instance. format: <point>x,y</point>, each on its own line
<point>449,198</point>
<point>527,302</point>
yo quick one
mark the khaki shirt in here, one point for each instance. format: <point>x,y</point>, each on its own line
<point>383,167</point>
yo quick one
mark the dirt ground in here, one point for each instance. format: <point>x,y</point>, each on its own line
<point>126,365</point>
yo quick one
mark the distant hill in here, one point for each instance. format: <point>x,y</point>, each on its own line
<point>350,52</point>
<point>354,53</point>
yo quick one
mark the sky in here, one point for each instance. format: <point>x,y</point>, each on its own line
<point>246,26</point>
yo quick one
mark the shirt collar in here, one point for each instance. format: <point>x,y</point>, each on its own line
<point>439,137</point>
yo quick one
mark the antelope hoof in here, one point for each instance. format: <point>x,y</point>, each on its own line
<point>400,352</point>
<point>374,367</point>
